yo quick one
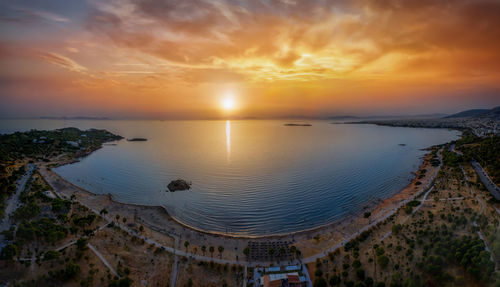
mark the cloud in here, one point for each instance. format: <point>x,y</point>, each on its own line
<point>63,62</point>
<point>22,14</point>
<point>275,36</point>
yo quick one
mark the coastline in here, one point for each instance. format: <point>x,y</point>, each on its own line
<point>377,208</point>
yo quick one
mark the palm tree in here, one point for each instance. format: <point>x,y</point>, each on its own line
<point>220,248</point>
<point>282,251</point>
<point>271,251</point>
<point>195,250</point>
<point>186,244</point>
<point>211,249</point>
<point>246,251</point>
<point>203,249</point>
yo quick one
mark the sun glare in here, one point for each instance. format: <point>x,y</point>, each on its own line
<point>228,102</point>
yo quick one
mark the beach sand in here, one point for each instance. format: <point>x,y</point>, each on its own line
<point>161,227</point>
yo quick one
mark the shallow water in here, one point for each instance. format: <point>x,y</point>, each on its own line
<point>249,177</point>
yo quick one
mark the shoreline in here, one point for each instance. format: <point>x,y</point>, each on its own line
<point>377,208</point>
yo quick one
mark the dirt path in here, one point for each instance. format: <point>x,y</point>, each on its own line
<point>104,261</point>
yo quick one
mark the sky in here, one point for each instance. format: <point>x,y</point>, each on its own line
<point>185,59</point>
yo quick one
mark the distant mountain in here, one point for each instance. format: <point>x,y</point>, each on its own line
<point>75,118</point>
<point>341,117</point>
<point>477,113</point>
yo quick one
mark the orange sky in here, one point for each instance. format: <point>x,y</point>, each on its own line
<point>176,59</point>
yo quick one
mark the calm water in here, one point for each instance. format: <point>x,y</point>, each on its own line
<point>249,177</point>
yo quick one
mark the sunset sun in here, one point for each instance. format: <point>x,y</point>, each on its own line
<point>228,103</point>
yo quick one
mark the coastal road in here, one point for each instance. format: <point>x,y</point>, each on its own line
<point>13,202</point>
<point>483,175</point>
<point>490,185</point>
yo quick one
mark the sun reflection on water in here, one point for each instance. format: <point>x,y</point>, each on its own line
<point>228,139</point>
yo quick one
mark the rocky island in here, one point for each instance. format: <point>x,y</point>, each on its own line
<point>297,125</point>
<point>178,184</point>
<point>137,140</point>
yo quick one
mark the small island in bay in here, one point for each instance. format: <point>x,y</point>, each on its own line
<point>137,140</point>
<point>297,125</point>
<point>178,184</point>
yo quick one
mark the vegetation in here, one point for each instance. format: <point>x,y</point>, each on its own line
<point>486,151</point>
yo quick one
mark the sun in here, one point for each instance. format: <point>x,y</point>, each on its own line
<point>228,103</point>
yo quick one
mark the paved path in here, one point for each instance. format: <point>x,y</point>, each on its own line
<point>175,269</point>
<point>13,202</point>
<point>103,259</point>
<point>245,276</point>
<point>306,274</point>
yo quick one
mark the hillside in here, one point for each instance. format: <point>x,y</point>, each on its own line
<point>483,113</point>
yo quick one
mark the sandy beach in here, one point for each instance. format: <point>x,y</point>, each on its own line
<point>163,228</point>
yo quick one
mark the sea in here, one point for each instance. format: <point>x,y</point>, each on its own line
<point>249,177</point>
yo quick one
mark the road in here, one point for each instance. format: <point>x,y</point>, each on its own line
<point>490,185</point>
<point>13,202</point>
<point>479,233</point>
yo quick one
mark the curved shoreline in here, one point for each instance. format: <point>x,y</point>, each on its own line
<point>371,207</point>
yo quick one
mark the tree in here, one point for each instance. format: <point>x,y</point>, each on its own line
<point>8,252</point>
<point>360,273</point>
<point>282,251</point>
<point>271,251</point>
<point>211,249</point>
<point>246,251</point>
<point>396,228</point>
<point>51,254</point>
<point>334,280</point>
<point>320,282</point>
<point>70,271</point>
<point>186,244</point>
<point>221,249</point>
<point>124,282</point>
<point>383,261</point>
<point>81,243</point>
<point>203,249</point>
<point>103,211</point>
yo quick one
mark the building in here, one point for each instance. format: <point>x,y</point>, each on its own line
<point>292,279</point>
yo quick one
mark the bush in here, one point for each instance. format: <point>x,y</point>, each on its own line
<point>318,273</point>
<point>396,228</point>
<point>320,282</point>
<point>383,261</point>
<point>70,271</point>
<point>8,252</point>
<point>51,254</point>
<point>408,209</point>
